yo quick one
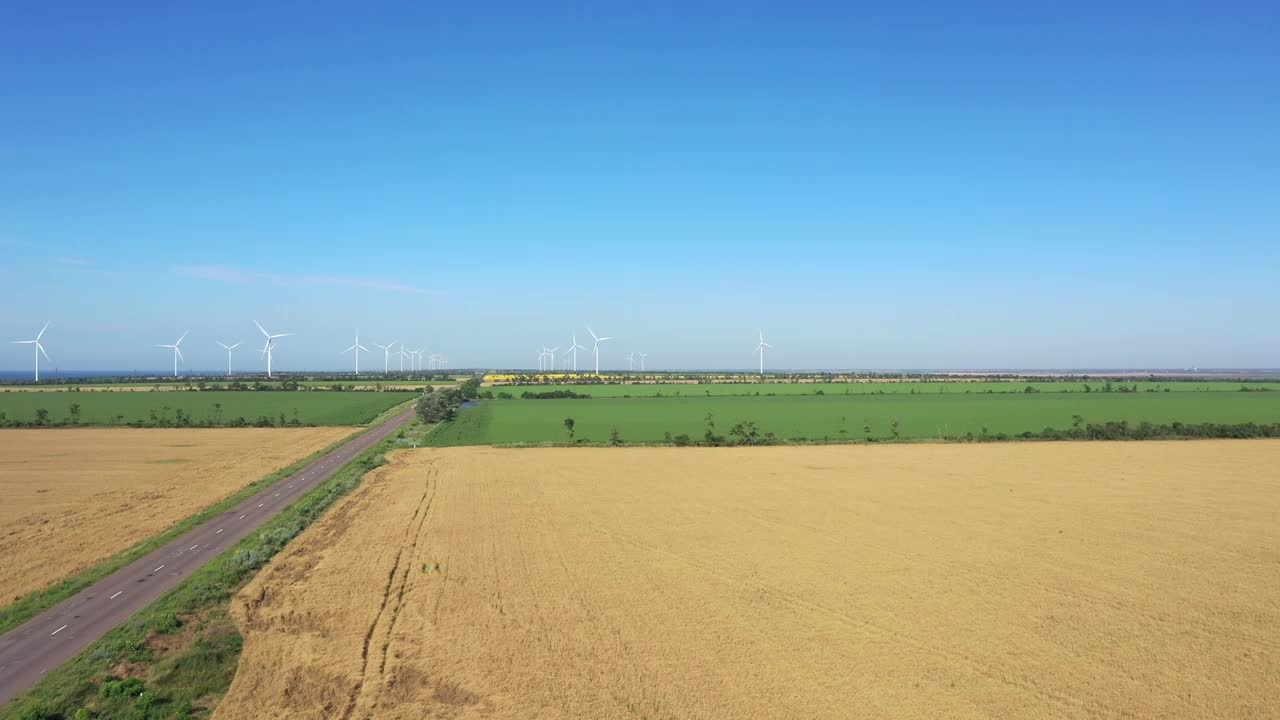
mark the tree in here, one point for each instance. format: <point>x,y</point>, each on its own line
<point>435,408</point>
<point>75,413</point>
<point>568,425</point>
<point>42,416</point>
<point>894,426</point>
<point>614,438</point>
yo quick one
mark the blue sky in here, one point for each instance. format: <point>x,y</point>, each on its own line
<point>915,185</point>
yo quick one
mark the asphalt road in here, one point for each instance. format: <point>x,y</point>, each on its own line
<point>58,634</point>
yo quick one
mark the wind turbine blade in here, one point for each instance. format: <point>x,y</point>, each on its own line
<point>42,352</point>
<point>273,337</point>
<point>363,348</point>
<point>22,342</point>
<point>233,347</point>
<point>179,351</point>
<point>41,333</point>
<point>184,337</point>
<point>264,332</point>
<point>593,332</point>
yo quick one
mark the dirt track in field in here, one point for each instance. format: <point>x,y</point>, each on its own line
<point>72,498</point>
<point>1045,580</point>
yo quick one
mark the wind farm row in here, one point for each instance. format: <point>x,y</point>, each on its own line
<point>569,358</point>
<point>419,359</point>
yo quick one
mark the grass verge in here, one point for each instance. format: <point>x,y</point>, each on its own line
<point>176,658</point>
<point>32,604</point>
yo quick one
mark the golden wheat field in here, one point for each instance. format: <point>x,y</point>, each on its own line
<point>1046,580</point>
<point>75,497</point>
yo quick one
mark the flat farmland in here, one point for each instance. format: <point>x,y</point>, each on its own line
<point>1098,580</point>
<point>216,408</point>
<point>823,417</point>
<point>674,389</point>
<point>75,497</point>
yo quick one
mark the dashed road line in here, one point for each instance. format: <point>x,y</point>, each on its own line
<point>118,594</point>
<point>158,569</point>
<point>193,547</point>
<point>55,632</point>
<point>240,518</point>
<point>219,531</point>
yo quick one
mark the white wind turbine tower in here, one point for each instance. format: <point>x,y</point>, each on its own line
<point>38,349</point>
<point>575,348</point>
<point>631,361</point>
<point>642,357</point>
<point>760,349</point>
<point>551,357</point>
<point>402,355</point>
<point>177,352</point>
<point>418,354</point>
<point>595,348</point>
<point>271,344</point>
<point>229,348</point>
<point>386,355</point>
<point>357,348</point>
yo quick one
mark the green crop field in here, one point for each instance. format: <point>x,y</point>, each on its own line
<point>873,388</point>
<point>119,408</point>
<point>824,417</point>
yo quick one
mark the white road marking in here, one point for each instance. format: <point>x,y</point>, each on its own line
<point>261,504</point>
<point>118,594</point>
<point>277,494</point>
<point>240,518</point>
<point>193,547</point>
<point>158,569</point>
<point>55,632</point>
<point>219,531</point>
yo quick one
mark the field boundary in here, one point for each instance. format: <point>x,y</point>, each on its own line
<point>28,606</point>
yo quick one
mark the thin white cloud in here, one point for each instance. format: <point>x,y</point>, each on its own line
<point>237,276</point>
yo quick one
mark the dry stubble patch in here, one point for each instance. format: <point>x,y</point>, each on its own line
<point>1065,580</point>
<point>72,498</point>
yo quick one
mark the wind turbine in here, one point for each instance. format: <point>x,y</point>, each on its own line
<point>575,348</point>
<point>631,361</point>
<point>38,349</point>
<point>595,349</point>
<point>177,352</point>
<point>386,355</point>
<point>551,357</point>
<point>402,355</point>
<point>760,349</point>
<point>357,347</point>
<point>642,357</point>
<point>229,348</point>
<point>271,344</point>
<point>416,361</point>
